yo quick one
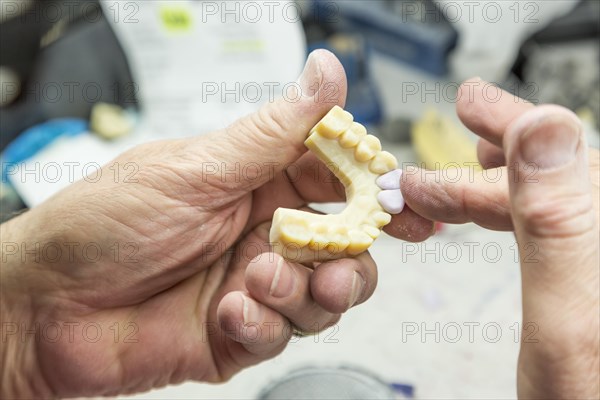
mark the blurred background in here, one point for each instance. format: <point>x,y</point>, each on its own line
<point>82,81</point>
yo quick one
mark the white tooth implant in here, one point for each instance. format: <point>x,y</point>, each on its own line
<point>305,237</point>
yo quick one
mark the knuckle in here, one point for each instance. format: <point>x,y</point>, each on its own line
<point>566,215</point>
<point>572,338</point>
<point>265,123</point>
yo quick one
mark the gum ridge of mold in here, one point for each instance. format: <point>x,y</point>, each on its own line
<point>357,160</point>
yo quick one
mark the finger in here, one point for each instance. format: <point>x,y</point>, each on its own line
<point>488,110</point>
<point>553,213</point>
<point>285,287</point>
<point>459,196</point>
<point>306,181</point>
<point>410,226</point>
<point>267,141</point>
<point>258,329</point>
<point>341,284</point>
<point>314,182</point>
<point>490,155</point>
<point>405,223</point>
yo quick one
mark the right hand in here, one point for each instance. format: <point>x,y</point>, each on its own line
<point>548,195</point>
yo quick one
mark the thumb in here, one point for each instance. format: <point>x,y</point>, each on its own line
<point>556,227</point>
<point>255,147</point>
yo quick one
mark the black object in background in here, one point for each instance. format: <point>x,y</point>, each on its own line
<point>561,64</point>
<point>67,58</point>
<point>582,23</point>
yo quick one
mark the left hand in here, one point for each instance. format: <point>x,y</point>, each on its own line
<point>184,286</point>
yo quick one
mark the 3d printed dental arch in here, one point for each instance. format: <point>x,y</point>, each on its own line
<point>357,160</point>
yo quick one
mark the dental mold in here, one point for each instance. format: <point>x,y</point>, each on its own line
<point>356,158</point>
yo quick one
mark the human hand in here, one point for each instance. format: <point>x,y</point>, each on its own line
<point>184,286</point>
<point>547,192</point>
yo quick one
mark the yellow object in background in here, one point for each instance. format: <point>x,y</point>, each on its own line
<point>176,19</point>
<point>110,121</point>
<point>440,143</point>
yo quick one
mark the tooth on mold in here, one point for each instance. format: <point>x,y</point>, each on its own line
<point>349,139</point>
<point>359,242</point>
<point>320,239</point>
<point>359,129</point>
<point>318,244</point>
<point>338,231</point>
<point>339,239</point>
<point>367,148</point>
<point>334,123</point>
<point>381,218</point>
<point>295,231</point>
<point>382,163</point>
<point>337,246</point>
<point>371,231</point>
<point>352,136</point>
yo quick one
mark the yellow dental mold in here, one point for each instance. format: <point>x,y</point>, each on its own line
<point>357,160</point>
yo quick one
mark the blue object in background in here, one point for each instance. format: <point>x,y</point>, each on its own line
<point>407,391</point>
<point>353,52</point>
<point>415,31</point>
<point>34,139</point>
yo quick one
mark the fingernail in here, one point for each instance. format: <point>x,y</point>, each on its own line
<point>551,140</point>
<point>357,288</point>
<point>311,77</point>
<point>282,284</point>
<point>251,313</point>
<point>392,201</point>
<point>390,181</point>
